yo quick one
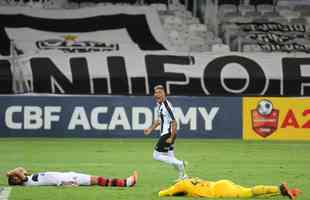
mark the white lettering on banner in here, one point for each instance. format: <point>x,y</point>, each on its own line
<point>189,117</point>
<point>94,117</point>
<point>79,118</point>
<point>136,114</point>
<point>119,118</point>
<point>50,117</point>
<point>255,74</point>
<point>98,118</point>
<point>208,117</point>
<point>32,117</point>
<point>9,113</point>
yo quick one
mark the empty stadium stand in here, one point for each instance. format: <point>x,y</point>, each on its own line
<point>188,33</point>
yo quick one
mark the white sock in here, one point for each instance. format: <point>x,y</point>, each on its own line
<point>171,155</point>
<point>129,181</point>
<point>180,166</point>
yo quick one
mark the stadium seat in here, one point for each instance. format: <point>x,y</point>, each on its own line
<point>201,48</point>
<point>284,3</point>
<point>159,6</point>
<point>278,19</point>
<point>220,48</point>
<point>194,40</point>
<point>176,5</point>
<point>305,13</point>
<point>265,8</point>
<point>235,2</point>
<point>172,21</point>
<point>230,17</point>
<point>298,21</point>
<point>251,48</point>
<point>3,3</point>
<point>246,8</point>
<point>258,2</point>
<point>271,14</point>
<point>183,13</point>
<point>301,7</point>
<point>193,20</point>
<point>289,14</point>
<point>261,20</point>
<point>71,5</point>
<point>227,8</point>
<point>252,14</point>
<point>198,28</point>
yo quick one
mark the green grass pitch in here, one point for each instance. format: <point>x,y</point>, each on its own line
<point>246,163</point>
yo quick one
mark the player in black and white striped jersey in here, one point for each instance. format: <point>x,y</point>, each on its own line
<point>164,150</point>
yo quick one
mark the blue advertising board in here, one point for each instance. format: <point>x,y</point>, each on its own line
<point>116,116</point>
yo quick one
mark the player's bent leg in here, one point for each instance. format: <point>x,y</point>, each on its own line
<point>163,157</point>
<point>178,164</point>
<point>115,182</point>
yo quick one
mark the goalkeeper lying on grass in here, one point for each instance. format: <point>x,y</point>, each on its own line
<point>195,187</point>
<point>20,176</point>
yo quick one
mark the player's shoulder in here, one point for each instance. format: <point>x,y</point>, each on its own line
<point>168,103</point>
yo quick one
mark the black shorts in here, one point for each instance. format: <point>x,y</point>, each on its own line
<point>162,145</point>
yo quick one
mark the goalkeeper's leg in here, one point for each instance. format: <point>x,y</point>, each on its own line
<point>265,190</point>
<point>226,188</point>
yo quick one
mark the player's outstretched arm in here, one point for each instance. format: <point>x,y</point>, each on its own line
<point>174,190</point>
<point>149,130</point>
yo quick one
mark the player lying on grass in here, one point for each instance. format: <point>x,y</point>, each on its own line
<point>20,176</point>
<point>195,187</point>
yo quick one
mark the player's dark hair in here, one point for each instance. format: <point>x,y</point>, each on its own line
<point>12,181</point>
<point>159,87</point>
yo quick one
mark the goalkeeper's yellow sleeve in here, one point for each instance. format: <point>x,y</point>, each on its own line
<point>173,190</point>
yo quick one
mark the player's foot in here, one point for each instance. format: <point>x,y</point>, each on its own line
<point>181,178</point>
<point>290,193</point>
<point>132,180</point>
<point>295,192</point>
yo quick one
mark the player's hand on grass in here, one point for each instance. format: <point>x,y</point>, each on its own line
<point>147,131</point>
<point>169,140</point>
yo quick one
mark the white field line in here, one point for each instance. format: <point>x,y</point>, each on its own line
<point>5,193</point>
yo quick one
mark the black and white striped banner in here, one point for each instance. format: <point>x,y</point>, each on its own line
<point>97,28</point>
<point>136,73</point>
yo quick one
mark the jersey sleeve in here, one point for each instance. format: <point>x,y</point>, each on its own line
<point>177,189</point>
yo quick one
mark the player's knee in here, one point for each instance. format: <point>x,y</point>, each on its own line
<point>156,155</point>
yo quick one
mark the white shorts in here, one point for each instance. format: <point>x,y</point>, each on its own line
<point>81,179</point>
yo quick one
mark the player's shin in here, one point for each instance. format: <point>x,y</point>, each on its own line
<point>112,182</point>
<point>116,182</point>
<point>262,190</point>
